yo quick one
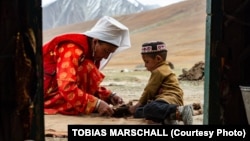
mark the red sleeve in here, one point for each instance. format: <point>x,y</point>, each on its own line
<point>104,93</point>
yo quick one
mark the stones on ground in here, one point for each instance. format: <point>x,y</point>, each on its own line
<point>195,73</point>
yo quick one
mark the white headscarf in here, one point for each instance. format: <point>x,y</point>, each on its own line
<point>112,31</point>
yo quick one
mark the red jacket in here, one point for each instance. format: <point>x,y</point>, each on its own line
<point>71,79</point>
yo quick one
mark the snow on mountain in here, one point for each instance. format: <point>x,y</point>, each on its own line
<point>64,12</point>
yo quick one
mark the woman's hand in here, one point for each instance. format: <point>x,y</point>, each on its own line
<point>115,99</point>
<point>104,109</point>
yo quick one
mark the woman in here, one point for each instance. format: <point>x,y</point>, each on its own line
<point>71,69</point>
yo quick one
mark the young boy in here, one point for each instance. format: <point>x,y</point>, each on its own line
<point>162,98</point>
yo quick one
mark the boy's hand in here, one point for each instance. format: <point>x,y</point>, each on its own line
<point>133,108</point>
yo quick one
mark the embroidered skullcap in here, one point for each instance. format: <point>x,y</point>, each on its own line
<point>112,31</point>
<point>153,46</point>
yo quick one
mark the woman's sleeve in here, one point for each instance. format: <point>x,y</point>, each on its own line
<point>104,93</point>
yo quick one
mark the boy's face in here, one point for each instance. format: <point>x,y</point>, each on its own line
<point>149,62</point>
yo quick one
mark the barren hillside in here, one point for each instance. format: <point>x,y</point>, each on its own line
<point>181,26</point>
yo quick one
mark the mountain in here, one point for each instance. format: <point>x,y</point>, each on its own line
<point>65,12</point>
<point>181,26</point>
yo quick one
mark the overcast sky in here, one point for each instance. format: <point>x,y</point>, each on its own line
<point>160,2</point>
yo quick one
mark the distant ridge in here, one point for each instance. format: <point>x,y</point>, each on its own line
<point>181,26</point>
<point>65,12</point>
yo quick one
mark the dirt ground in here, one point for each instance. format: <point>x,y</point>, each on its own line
<point>129,84</point>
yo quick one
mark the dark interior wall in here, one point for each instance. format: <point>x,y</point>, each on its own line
<point>227,57</point>
<point>21,108</point>
<point>235,53</point>
<point>10,121</point>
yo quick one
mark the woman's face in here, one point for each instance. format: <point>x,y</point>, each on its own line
<point>102,50</point>
<point>149,62</point>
